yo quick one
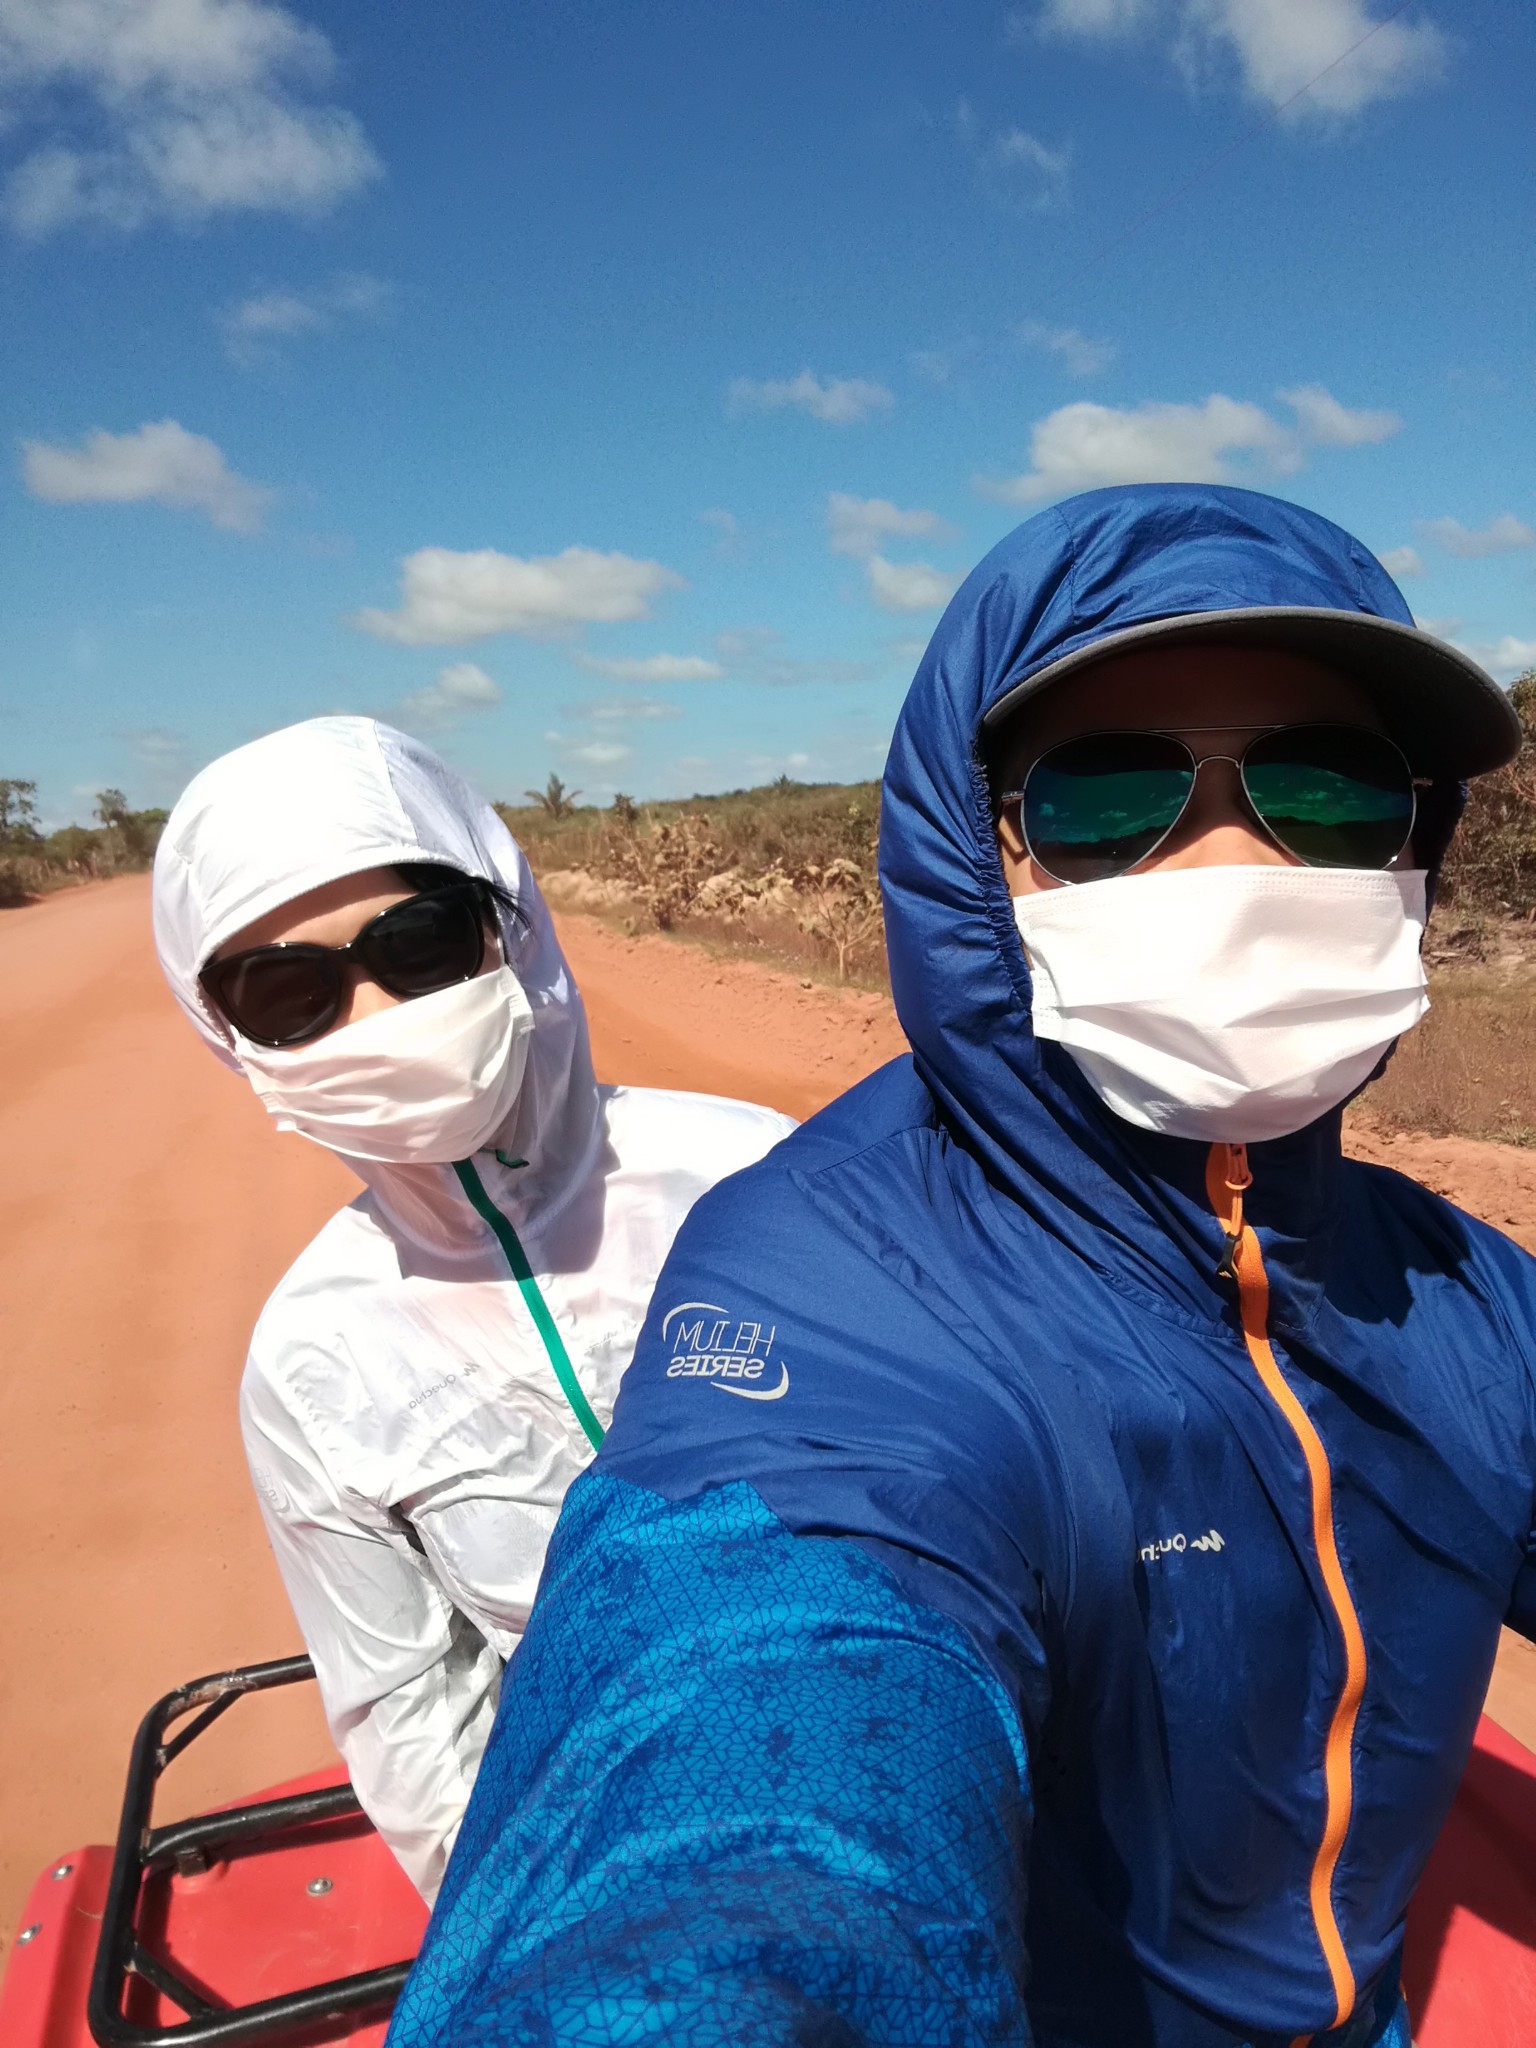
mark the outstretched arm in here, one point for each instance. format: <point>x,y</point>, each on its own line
<point>742,1790</point>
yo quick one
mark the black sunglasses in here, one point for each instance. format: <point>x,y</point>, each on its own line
<point>288,993</point>
<point>1335,796</point>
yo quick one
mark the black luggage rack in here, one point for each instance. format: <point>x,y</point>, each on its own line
<point>309,2016</point>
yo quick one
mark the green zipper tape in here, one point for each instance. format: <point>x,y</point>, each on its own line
<point>544,1322</point>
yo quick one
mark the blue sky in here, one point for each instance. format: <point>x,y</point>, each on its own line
<point>619,386</point>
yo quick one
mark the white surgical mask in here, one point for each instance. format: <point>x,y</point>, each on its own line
<point>430,1080</point>
<point>1227,1003</point>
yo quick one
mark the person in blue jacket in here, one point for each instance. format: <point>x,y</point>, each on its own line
<point>1043,1574</point>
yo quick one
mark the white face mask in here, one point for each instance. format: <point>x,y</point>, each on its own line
<point>1227,1003</point>
<point>431,1080</point>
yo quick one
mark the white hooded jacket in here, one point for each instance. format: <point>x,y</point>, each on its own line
<point>403,1416</point>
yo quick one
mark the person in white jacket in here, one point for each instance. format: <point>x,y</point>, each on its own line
<point>440,1363</point>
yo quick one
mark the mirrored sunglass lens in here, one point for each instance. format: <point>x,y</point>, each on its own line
<point>280,998</point>
<point>427,943</point>
<point>1335,797</point>
<point>1096,806</point>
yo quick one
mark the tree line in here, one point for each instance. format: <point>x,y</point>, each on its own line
<point>32,860</point>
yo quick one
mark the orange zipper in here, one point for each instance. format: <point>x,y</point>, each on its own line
<point>1227,1175</point>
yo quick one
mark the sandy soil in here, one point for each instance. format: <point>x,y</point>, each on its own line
<point>148,1209</point>
<point>1496,1182</point>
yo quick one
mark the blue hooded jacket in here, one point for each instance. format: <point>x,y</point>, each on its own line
<point>987,1622</point>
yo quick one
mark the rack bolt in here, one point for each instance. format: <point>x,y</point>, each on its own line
<point>29,1933</point>
<point>63,1870</point>
<point>318,1887</point>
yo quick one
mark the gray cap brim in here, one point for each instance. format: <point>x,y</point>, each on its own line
<point>1447,715</point>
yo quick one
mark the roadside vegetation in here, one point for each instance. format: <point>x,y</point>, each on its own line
<point>1470,1068</point>
<point>786,871</point>
<point>33,861</point>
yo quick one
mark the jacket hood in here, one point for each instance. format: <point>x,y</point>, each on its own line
<point>334,796</point>
<point>1091,568</point>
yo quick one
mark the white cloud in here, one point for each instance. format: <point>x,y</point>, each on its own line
<point>152,746</point>
<point>1088,18</point>
<point>837,401</point>
<point>599,753</point>
<point>857,526</point>
<point>460,687</point>
<point>1016,168</point>
<point>1079,356</point>
<point>159,462</point>
<point>170,109</point>
<point>1082,446</point>
<point>1501,536</point>
<point>1322,421</point>
<point>447,598</point>
<point>1346,54</point>
<point>1506,656</point>
<point>909,586</point>
<point>1281,45</point>
<point>934,365</point>
<point>1400,562</point>
<point>624,710</point>
<point>1510,656</point>
<point>653,668</point>
<point>1044,168</point>
<point>253,327</point>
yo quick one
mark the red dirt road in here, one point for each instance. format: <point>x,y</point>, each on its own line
<point>147,1209</point>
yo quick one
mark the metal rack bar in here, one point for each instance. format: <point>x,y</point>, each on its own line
<point>142,1849</point>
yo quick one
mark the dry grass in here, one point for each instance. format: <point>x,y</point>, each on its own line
<point>1469,1070</point>
<point>788,822</point>
<point>785,872</point>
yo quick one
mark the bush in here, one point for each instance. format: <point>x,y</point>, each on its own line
<point>793,823</point>
<point>666,867</point>
<point>1491,867</point>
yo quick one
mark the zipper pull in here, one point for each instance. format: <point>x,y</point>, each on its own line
<point>1233,1176</point>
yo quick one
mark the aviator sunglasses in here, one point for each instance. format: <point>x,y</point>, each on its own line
<point>1334,796</point>
<point>286,994</point>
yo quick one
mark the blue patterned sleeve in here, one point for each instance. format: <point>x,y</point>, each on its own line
<point>740,1791</point>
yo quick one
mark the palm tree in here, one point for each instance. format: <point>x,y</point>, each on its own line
<point>554,797</point>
